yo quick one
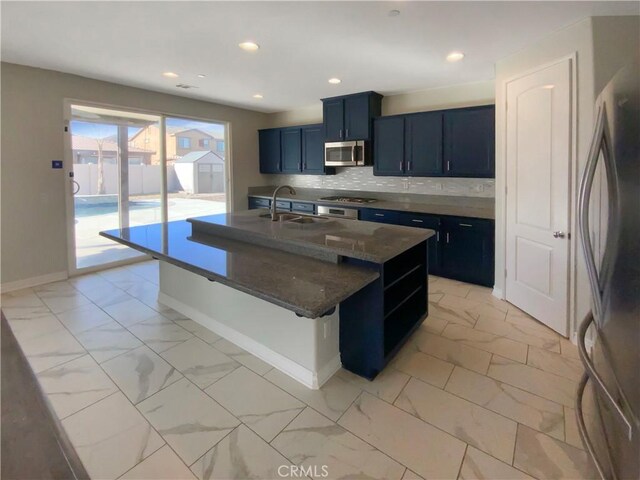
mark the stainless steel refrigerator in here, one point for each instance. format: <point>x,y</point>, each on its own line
<point>610,429</point>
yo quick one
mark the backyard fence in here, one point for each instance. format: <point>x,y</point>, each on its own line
<point>143,179</point>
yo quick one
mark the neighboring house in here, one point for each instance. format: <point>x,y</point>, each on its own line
<point>200,172</point>
<point>85,151</point>
<point>180,141</point>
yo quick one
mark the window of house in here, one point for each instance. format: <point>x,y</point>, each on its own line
<point>184,142</point>
<point>204,142</point>
<point>220,146</point>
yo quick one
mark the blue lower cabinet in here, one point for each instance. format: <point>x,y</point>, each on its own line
<point>384,314</point>
<point>468,250</point>
<point>432,222</point>
<point>408,219</point>
<point>256,202</point>
<point>283,205</point>
<point>301,207</point>
<point>462,248</point>
<point>377,215</point>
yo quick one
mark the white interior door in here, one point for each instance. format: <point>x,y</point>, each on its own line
<point>538,157</point>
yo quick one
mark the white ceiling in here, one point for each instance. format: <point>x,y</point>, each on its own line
<point>302,43</point>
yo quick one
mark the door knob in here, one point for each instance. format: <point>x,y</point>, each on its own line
<point>558,234</point>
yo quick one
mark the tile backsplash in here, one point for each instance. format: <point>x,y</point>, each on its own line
<point>362,178</point>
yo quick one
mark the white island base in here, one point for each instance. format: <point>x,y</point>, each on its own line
<point>305,349</point>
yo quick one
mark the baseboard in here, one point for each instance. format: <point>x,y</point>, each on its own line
<point>497,292</point>
<point>33,282</point>
<point>308,378</point>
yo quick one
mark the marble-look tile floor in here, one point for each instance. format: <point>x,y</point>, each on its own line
<point>480,391</point>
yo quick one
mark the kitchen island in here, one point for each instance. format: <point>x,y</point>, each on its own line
<point>305,294</point>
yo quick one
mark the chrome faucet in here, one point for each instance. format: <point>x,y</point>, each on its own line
<point>274,215</point>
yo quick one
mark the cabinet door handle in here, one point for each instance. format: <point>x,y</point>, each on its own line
<point>409,165</point>
<point>400,165</point>
<point>340,133</point>
<point>447,235</point>
<point>379,214</point>
<point>466,225</point>
<point>448,165</point>
<point>347,133</point>
<point>437,236</point>
<point>417,221</point>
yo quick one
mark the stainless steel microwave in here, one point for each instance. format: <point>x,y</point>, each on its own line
<point>345,154</point>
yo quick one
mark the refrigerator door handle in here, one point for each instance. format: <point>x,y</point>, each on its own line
<point>599,383</point>
<point>586,184</point>
<point>582,428</point>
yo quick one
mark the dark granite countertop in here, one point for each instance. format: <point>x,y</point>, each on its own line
<point>304,285</point>
<point>328,239</point>
<point>472,207</point>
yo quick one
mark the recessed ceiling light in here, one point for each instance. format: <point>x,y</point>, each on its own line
<point>257,95</point>
<point>249,46</point>
<point>201,75</point>
<point>170,75</point>
<point>335,81</point>
<point>455,56</point>
<point>394,13</point>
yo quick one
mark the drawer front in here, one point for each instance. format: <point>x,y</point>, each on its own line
<point>471,223</point>
<point>302,207</point>
<point>255,202</point>
<point>419,220</point>
<point>283,205</point>
<point>375,215</point>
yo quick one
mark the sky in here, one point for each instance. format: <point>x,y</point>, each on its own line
<point>101,130</point>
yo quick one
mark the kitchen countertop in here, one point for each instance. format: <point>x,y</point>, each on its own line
<point>472,207</point>
<point>304,285</point>
<point>329,238</point>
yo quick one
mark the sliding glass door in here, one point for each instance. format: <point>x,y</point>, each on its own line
<point>131,169</point>
<point>196,173</point>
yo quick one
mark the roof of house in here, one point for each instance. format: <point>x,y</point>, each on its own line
<point>79,142</point>
<point>193,157</point>
<point>192,130</point>
<point>174,130</point>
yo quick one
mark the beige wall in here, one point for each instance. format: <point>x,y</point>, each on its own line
<point>34,224</point>
<point>615,39</point>
<point>600,44</point>
<point>465,95</point>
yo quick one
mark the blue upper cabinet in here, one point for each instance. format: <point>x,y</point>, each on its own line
<point>423,144</point>
<point>312,150</point>
<point>291,150</point>
<point>388,146</point>
<point>269,146</point>
<point>333,118</point>
<point>469,142</point>
<point>357,117</point>
<point>350,117</point>
<point>449,143</point>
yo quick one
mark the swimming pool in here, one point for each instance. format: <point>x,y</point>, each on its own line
<point>94,209</point>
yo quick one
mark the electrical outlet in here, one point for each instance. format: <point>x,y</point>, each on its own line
<point>480,188</point>
<point>438,186</point>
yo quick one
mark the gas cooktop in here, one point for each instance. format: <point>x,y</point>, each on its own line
<point>348,199</point>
